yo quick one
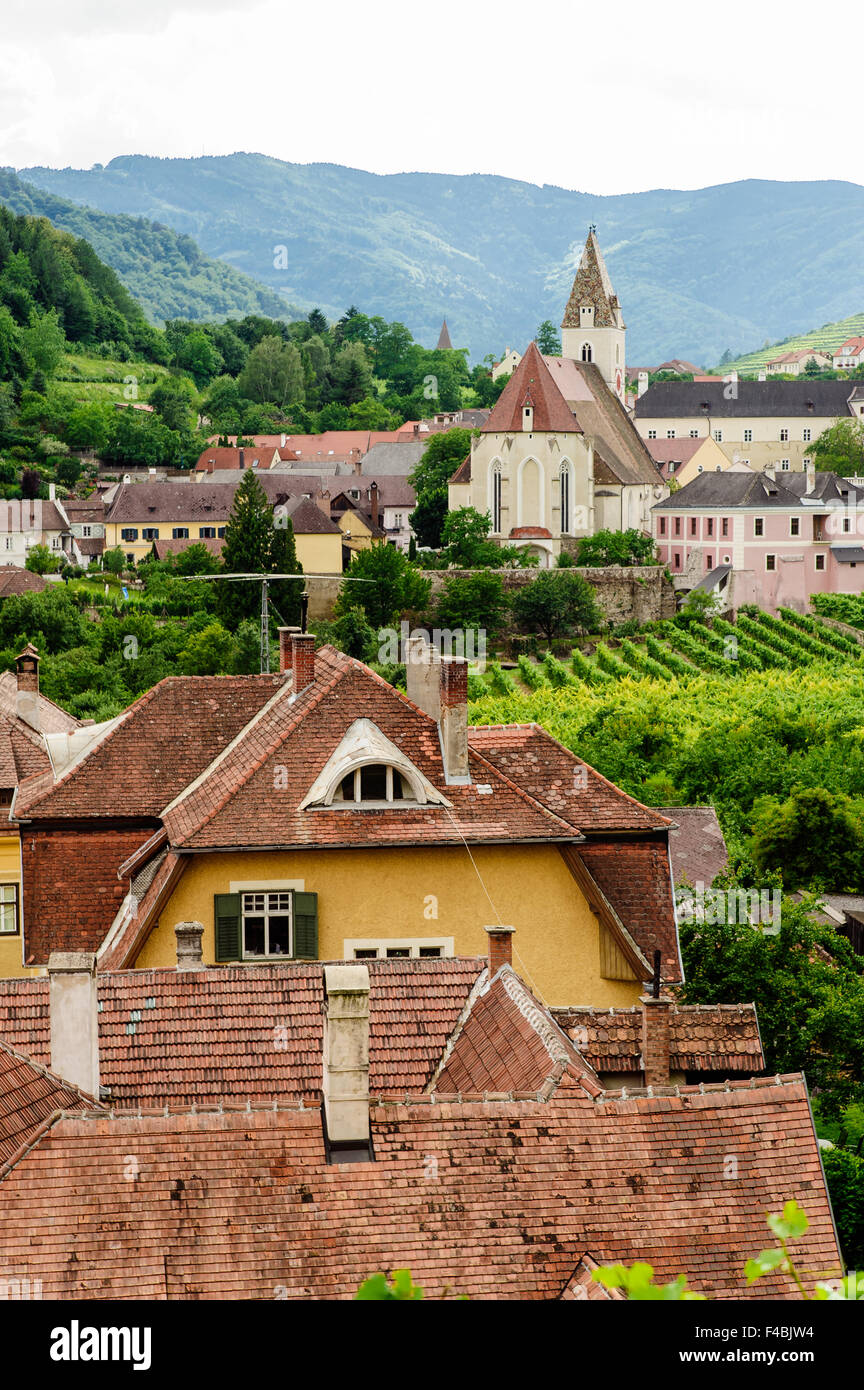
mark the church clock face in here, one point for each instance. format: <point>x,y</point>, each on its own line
<point>618,381</point>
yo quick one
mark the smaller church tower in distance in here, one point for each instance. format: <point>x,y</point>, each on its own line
<point>592,329</point>
<point>444,342</point>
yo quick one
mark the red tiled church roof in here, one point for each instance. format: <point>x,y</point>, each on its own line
<point>532,383</point>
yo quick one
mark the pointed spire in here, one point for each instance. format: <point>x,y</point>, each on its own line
<point>592,287</point>
<point>444,342</point>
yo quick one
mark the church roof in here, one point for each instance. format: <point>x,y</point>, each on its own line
<point>532,382</point>
<point>444,342</point>
<point>592,286</point>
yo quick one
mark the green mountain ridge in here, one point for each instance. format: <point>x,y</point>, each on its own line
<point>825,339</point>
<point>163,269</point>
<point>697,271</point>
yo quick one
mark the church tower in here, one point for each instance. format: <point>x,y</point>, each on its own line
<point>592,329</point>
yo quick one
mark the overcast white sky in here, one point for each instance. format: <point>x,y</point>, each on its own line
<point>606,99</point>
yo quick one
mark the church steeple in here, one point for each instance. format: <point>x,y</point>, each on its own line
<point>592,330</point>
<point>444,338</point>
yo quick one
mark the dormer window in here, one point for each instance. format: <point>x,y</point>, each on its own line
<point>374,782</point>
<point>368,772</point>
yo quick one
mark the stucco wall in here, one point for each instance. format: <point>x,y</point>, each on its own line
<point>390,894</point>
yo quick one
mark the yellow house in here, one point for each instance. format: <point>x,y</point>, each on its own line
<point>26,718</point>
<point>682,460</point>
<point>319,814</point>
<point>175,515</point>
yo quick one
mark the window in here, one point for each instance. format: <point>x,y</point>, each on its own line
<point>709,562</point>
<point>748,436</point>
<point>129,533</point>
<point>694,434</point>
<point>784,436</point>
<point>397,521</point>
<point>180,533</point>
<point>758,526</point>
<point>662,531</point>
<point>677,526</point>
<point>847,524</point>
<point>699,468</point>
<point>55,542</point>
<point>694,526</point>
<point>820,562</point>
<point>652,434</point>
<point>677,561</point>
<point>587,354</point>
<point>267,924</point>
<point>374,782</point>
<point>670,434</point>
<point>10,542</point>
<point>496,499</point>
<point>86,530</point>
<point>709,523</point>
<point>221,532</point>
<point>770,562</point>
<point>718,435</point>
<point>724,526</point>
<point>565,499</point>
<point>794,526</point>
<point>207,533</point>
<point>405,948</point>
<point>807,435</point>
<point>784,465</point>
<point>807,460</point>
<point>8,909</point>
<point>150,533</point>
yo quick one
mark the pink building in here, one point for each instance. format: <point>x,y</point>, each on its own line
<point>765,540</point>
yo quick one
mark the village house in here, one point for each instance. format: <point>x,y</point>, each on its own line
<point>558,458</point>
<point>796,363</point>
<point>778,538</point>
<point>342,1112</point>
<point>318,813</point>
<point>684,459</point>
<point>26,718</point>
<point>849,355</point>
<point>761,423</point>
<point>29,522</point>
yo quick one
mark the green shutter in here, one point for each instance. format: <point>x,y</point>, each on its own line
<point>306,926</point>
<point>226,916</point>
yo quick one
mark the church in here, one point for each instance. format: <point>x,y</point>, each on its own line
<point>559,457</point>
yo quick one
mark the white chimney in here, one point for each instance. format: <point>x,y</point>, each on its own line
<point>52,492</point>
<point>811,479</point>
<point>189,953</point>
<point>346,1053</point>
<point>422,677</point>
<point>761,376</point>
<point>642,386</point>
<point>74,1019</point>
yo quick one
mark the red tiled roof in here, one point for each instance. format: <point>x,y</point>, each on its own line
<point>29,1097</point>
<point>526,532</point>
<point>235,803</point>
<point>155,748</point>
<point>583,1285</point>
<point>552,774</point>
<point>634,875</point>
<point>52,719</point>
<point>15,580</point>
<point>702,1037</point>
<point>507,1041</point>
<point>496,1200</point>
<point>531,382</point>
<point>176,545</point>
<point>232,1033</point>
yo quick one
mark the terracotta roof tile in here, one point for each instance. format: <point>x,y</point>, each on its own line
<point>702,1037</point>
<point>29,1097</point>
<point>531,383</point>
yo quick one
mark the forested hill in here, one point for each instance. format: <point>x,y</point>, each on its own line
<point>164,269</point>
<point>697,271</point>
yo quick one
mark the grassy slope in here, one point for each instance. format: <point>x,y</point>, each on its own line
<point>826,339</point>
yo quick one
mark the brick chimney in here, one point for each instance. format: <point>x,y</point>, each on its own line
<point>346,1053</point>
<point>323,500</point>
<point>189,954</point>
<point>656,1015</point>
<point>373,498</point>
<point>27,697</point>
<point>500,948</point>
<point>74,1018</point>
<point>303,660</point>
<point>454,717</point>
<point>286,655</point>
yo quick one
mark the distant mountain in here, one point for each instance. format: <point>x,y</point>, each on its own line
<point>828,338</point>
<point>164,269</point>
<point>696,272</point>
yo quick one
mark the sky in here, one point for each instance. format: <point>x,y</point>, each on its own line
<point>604,99</point>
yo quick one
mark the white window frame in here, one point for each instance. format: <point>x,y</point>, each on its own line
<point>784,435</point>
<point>670,434</point>
<point>795,521</point>
<point>446,945</point>
<point>807,435</point>
<point>748,436</point>
<point>785,465</point>
<point>652,434</point>
<point>7,903</point>
<point>267,893</point>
